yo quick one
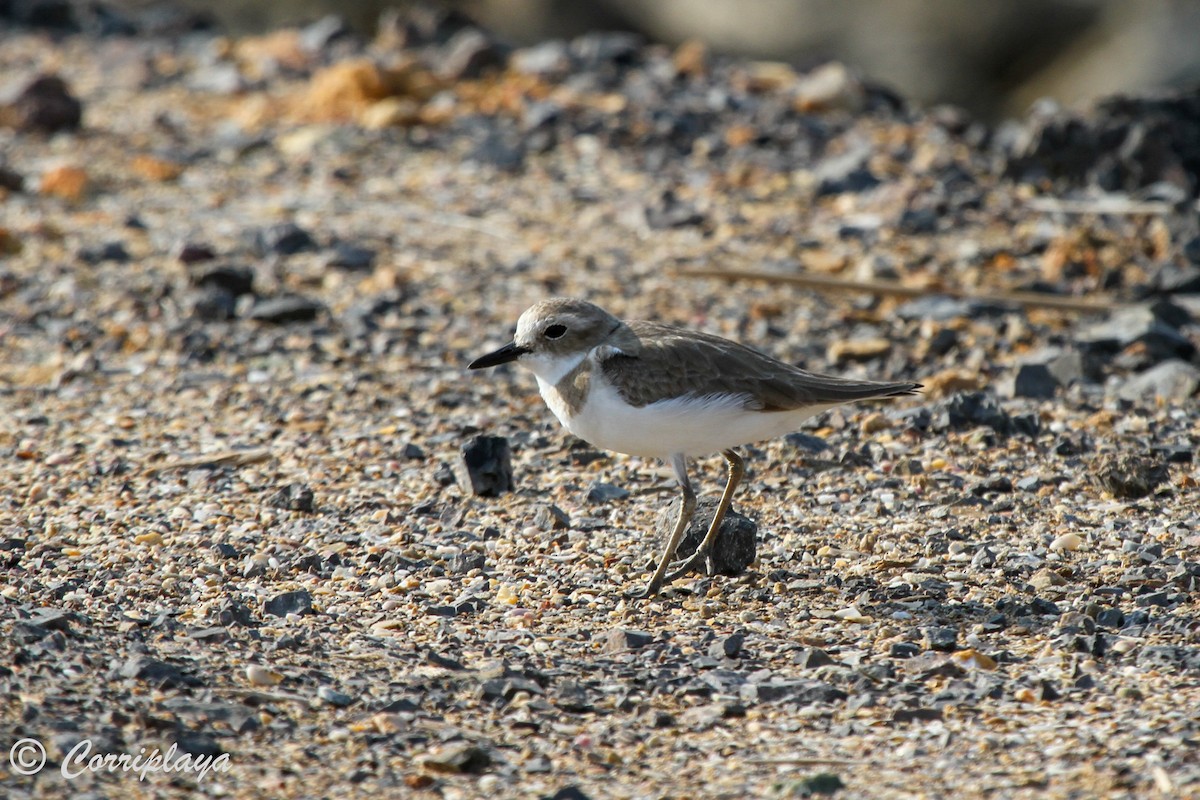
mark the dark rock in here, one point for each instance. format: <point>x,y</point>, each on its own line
<point>295,602</point>
<point>803,692</point>
<point>351,257</point>
<point>333,697</point>
<point>234,612</point>
<point>916,221</point>
<point>571,697</point>
<point>505,152</point>
<point>1039,376</point>
<point>1153,327</point>
<point>568,793</point>
<point>1191,250</point>
<point>735,546</point>
<point>968,410</point>
<point>1030,483</point>
<point>196,743</point>
<point>11,180</point>
<point>549,517</point>
<point>1174,381</point>
<point>235,280</point>
<point>194,252</point>
<point>463,563</point>
<point>46,105</point>
<point>1129,476</point>
<point>727,646</point>
<point>413,452</point>
<point>285,309</point>
<point>213,305</point>
<point>807,442</point>
<point>993,485</point>
<point>903,715</point>
<point>811,658</point>
<point>109,251</point>
<point>904,650</point>
<point>484,467</point>
<point>821,783</point>
<point>293,497</point>
<point>213,634</point>
<point>1124,143</point>
<point>1172,657</point>
<point>668,211</point>
<point>943,639</point>
<point>284,239</point>
<point>619,640</point>
<point>1111,618</point>
<point>601,492</point>
<point>157,673</point>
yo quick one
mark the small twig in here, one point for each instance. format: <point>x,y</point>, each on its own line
<point>1109,204</point>
<point>804,762</point>
<point>895,289</point>
<point>225,458</point>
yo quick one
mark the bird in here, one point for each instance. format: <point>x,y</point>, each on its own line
<point>650,389</point>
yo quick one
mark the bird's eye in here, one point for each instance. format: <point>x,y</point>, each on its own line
<point>555,331</point>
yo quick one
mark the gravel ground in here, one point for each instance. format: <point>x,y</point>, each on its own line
<point>237,296</point>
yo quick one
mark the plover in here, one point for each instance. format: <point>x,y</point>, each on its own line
<point>648,389</point>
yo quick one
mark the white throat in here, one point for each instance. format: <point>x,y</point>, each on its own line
<point>550,369</point>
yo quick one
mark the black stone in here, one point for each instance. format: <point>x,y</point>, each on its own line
<point>727,646</point>
<point>944,639</point>
<point>735,546</point>
<point>233,279</point>
<point>621,639</point>
<point>157,673</point>
<point>465,562</point>
<point>601,492</point>
<point>484,467</point>
<point>284,239</point>
<point>109,251</point>
<point>285,309</point>
<point>46,105</point>
<point>195,252</point>
<point>293,497</point>
<point>1129,476</point>
<point>296,602</point>
<point>351,257</point>
<point>811,658</point>
<point>904,650</point>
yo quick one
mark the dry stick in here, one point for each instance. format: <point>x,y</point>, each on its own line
<point>1027,299</point>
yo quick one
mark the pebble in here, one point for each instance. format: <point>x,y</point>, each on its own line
<point>1068,542</point>
<point>484,467</point>
<point>296,602</point>
<point>601,492</point>
<point>334,697</point>
<point>262,676</point>
<point>735,546</point>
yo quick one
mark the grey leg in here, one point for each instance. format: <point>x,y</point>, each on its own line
<point>686,509</point>
<point>737,469</point>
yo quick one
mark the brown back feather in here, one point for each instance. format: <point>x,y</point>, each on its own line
<point>668,362</point>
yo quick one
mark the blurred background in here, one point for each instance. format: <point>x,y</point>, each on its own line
<point>992,58</point>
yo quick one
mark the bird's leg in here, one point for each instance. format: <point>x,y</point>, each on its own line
<point>737,468</point>
<point>686,508</point>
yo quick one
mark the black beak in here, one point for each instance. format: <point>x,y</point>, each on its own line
<point>510,352</point>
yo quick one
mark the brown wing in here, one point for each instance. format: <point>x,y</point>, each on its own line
<point>670,362</point>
